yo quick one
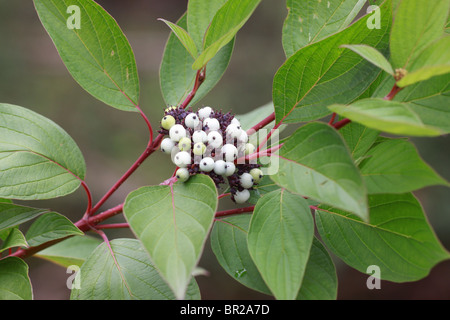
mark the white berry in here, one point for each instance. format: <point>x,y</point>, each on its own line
<point>177,132</point>
<point>192,120</point>
<point>204,112</point>
<point>243,137</point>
<point>234,131</point>
<point>246,180</point>
<point>235,121</point>
<point>220,167</point>
<point>229,152</point>
<point>230,168</point>
<point>199,136</point>
<point>167,145</point>
<point>212,124</point>
<point>182,174</point>
<point>242,196</point>
<point>182,159</point>
<point>207,164</point>
<point>215,139</point>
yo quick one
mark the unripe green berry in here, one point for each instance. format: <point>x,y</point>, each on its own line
<point>184,144</point>
<point>199,148</point>
<point>257,175</point>
<point>249,149</point>
<point>167,122</point>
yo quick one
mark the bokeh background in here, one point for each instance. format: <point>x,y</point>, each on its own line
<point>33,76</point>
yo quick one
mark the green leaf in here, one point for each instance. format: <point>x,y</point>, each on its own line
<point>310,21</point>
<point>394,166</point>
<point>50,226</point>
<point>324,73</point>
<point>69,252</point>
<point>177,76</point>
<point>279,241</point>
<point>130,275</point>
<point>266,185</point>
<point>12,215</point>
<point>229,244</point>
<point>320,280</point>
<point>14,281</point>
<point>433,61</point>
<point>316,163</point>
<point>229,19</point>
<point>388,116</point>
<point>417,24</point>
<point>372,55</point>
<point>98,55</point>
<point>38,159</point>
<point>398,240</point>
<point>358,138</point>
<point>184,38</point>
<point>173,222</point>
<point>199,16</point>
<point>12,237</point>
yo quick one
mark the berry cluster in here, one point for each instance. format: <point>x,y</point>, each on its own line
<point>210,142</point>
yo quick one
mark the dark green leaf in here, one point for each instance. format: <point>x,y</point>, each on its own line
<point>229,244</point>
<point>398,240</point>
<point>130,275</point>
<point>310,21</point>
<point>316,163</point>
<point>38,159</point>
<point>394,166</point>
<point>14,281</point>
<point>324,73</point>
<point>279,241</point>
<point>98,55</point>
<point>50,226</point>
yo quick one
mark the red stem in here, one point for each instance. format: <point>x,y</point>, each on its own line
<point>262,123</point>
<point>333,116</point>
<point>341,123</point>
<point>234,211</point>
<point>112,226</point>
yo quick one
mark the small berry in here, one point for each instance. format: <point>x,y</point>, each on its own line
<point>241,196</point>
<point>200,136</point>
<point>167,145</point>
<point>230,152</point>
<point>212,124</point>
<point>182,159</point>
<point>215,139</point>
<point>220,167</point>
<point>192,121</point>
<point>249,149</point>
<point>207,164</point>
<point>257,175</point>
<point>204,112</point>
<point>177,132</point>
<point>243,137</point>
<point>167,122</point>
<point>230,168</point>
<point>182,174</point>
<point>246,180</point>
<point>199,148</point>
<point>236,122</point>
<point>184,144</point>
<point>234,131</point>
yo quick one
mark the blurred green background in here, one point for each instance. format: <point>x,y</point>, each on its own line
<point>33,76</point>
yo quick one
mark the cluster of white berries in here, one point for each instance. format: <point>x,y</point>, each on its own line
<point>210,142</point>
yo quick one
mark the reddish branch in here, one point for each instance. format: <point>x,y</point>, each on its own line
<point>234,211</point>
<point>391,95</point>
